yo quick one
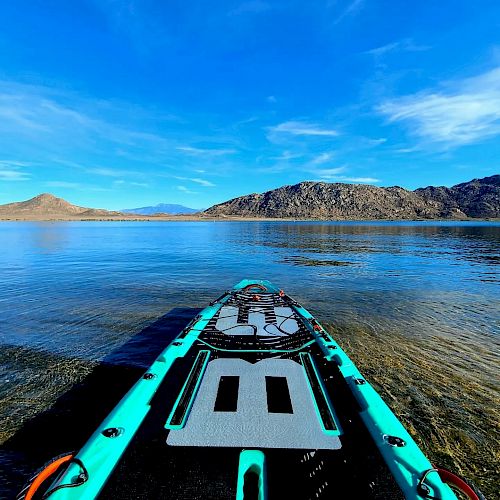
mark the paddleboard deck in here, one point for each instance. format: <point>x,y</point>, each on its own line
<point>253,400</point>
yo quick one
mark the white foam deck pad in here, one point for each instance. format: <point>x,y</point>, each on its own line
<point>252,425</point>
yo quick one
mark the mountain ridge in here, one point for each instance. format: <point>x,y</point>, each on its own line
<point>478,198</point>
<point>161,208</point>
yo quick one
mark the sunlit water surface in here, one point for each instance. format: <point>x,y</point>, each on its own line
<point>415,304</point>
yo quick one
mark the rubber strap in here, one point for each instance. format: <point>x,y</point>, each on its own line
<point>51,469</point>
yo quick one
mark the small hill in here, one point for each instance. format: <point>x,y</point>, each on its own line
<point>163,209</point>
<point>47,205</point>
<point>322,200</point>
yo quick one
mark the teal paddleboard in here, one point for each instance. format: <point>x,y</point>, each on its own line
<point>253,400</point>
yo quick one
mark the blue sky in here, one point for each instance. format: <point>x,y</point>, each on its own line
<point>118,104</point>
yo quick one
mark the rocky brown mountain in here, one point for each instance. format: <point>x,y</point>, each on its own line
<point>322,200</point>
<point>476,198</point>
<point>47,205</point>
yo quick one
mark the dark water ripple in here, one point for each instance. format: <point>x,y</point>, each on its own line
<point>72,293</point>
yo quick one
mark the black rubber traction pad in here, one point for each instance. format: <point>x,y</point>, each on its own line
<point>189,389</point>
<point>319,395</point>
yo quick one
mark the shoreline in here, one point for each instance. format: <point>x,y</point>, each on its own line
<point>191,218</point>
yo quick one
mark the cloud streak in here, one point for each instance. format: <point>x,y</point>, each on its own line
<point>12,174</point>
<point>300,128</point>
<point>184,189</point>
<point>352,8</point>
<point>464,112</point>
<point>58,122</point>
<point>328,173</point>
<point>321,159</point>
<point>344,178</point>
<point>361,180</point>
<point>404,45</point>
<point>286,156</point>
<point>202,182</point>
<point>336,174</point>
<point>11,170</point>
<point>205,151</point>
<point>196,180</point>
<point>122,182</point>
<point>106,172</point>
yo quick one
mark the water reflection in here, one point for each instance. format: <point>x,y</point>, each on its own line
<point>473,242</point>
<point>47,236</point>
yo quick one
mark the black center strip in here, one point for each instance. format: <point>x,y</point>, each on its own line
<point>189,389</point>
<point>319,395</point>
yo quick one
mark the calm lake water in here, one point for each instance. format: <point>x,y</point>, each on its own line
<point>419,300</point>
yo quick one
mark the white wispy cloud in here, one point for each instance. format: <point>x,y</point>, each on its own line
<point>18,112</point>
<point>321,158</point>
<point>315,164</point>
<point>58,121</point>
<point>205,151</point>
<point>113,172</point>
<point>203,182</point>
<point>458,113</point>
<point>344,178</point>
<point>58,128</point>
<point>350,9</point>
<point>301,128</point>
<point>271,98</point>
<point>106,172</point>
<point>404,45</point>
<point>197,180</point>
<point>14,163</point>
<point>13,174</point>
<point>286,155</point>
<point>28,109</point>
<point>184,189</point>
<point>13,170</point>
<point>376,142</point>
<point>327,173</point>
<point>123,182</point>
<point>337,174</point>
<point>413,149</point>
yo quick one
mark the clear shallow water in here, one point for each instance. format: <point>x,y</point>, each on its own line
<point>77,291</point>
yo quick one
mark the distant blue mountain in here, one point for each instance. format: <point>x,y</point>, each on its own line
<point>166,208</point>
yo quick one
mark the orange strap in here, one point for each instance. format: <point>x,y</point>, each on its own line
<point>51,469</point>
